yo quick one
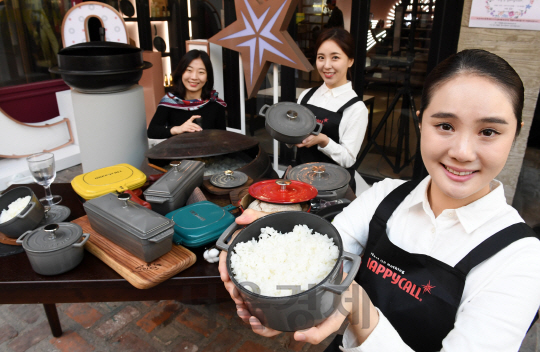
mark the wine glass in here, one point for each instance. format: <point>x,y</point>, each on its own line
<point>41,167</point>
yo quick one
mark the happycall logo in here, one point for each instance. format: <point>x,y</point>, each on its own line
<point>380,267</point>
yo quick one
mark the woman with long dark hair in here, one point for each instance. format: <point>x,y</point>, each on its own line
<point>335,104</point>
<point>447,264</point>
<point>192,105</point>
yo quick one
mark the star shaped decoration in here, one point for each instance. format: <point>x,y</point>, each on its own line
<point>260,35</point>
<point>427,287</point>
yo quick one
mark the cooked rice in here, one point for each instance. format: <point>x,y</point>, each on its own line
<point>14,208</point>
<point>299,258</point>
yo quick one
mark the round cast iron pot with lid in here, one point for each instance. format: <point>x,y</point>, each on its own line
<point>330,180</point>
<point>55,248</point>
<point>305,309</point>
<point>27,219</point>
<point>289,122</point>
<point>100,67</point>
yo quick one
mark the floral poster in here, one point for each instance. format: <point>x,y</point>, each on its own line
<point>506,14</point>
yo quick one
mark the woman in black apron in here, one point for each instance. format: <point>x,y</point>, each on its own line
<point>335,105</point>
<point>447,264</point>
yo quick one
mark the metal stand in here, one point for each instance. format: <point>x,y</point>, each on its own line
<point>408,109</point>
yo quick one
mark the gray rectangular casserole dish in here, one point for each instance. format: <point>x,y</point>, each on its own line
<point>142,232</point>
<point>173,189</point>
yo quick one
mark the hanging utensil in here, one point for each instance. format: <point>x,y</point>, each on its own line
<point>127,8</point>
<point>159,43</point>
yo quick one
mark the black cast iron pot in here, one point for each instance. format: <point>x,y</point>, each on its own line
<point>100,67</point>
<point>303,310</point>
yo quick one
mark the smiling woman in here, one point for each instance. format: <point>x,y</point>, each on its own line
<point>192,105</point>
<point>336,105</point>
<point>447,264</point>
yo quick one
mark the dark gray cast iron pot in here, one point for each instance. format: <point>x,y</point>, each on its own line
<point>27,219</point>
<point>290,123</point>
<point>303,310</point>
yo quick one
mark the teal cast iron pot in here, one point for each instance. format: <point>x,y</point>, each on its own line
<point>305,309</point>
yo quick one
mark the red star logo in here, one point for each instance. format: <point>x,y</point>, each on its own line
<point>260,35</point>
<point>325,120</point>
<point>427,287</point>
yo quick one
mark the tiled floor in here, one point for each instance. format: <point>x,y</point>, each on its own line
<point>174,326</point>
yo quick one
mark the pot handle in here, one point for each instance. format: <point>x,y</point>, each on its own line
<point>327,195</point>
<point>318,130</point>
<point>225,237</point>
<point>262,112</point>
<point>339,289</point>
<point>80,244</point>
<point>20,239</point>
<point>31,207</point>
<point>159,238</point>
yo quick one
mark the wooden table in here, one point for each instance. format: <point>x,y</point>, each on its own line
<point>94,281</point>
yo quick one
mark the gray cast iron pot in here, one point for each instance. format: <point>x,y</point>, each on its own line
<point>289,122</point>
<point>27,219</point>
<point>55,248</point>
<point>305,309</point>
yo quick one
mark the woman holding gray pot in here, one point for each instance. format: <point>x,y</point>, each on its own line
<point>447,264</point>
<point>336,106</point>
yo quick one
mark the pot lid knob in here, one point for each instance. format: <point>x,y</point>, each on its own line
<point>51,229</point>
<point>229,174</point>
<point>291,114</point>
<point>318,170</point>
<point>124,197</point>
<point>175,165</point>
<point>283,184</point>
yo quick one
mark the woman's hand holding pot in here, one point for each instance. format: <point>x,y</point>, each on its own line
<point>354,303</point>
<point>188,126</point>
<point>246,218</point>
<point>321,139</point>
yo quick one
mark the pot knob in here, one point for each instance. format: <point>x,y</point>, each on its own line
<point>318,170</point>
<point>291,114</point>
<point>124,197</point>
<point>175,165</point>
<point>283,184</point>
<point>229,174</point>
<point>51,229</point>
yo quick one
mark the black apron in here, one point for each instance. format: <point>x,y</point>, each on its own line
<point>418,294</point>
<point>330,121</point>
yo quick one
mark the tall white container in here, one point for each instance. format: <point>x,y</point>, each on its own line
<point>111,128</point>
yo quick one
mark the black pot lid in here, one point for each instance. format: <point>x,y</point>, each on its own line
<point>201,144</point>
<point>55,214</point>
<point>290,119</point>
<point>323,176</point>
<point>229,179</point>
<point>52,237</point>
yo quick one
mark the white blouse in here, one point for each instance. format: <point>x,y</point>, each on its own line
<point>352,127</point>
<point>501,295</point>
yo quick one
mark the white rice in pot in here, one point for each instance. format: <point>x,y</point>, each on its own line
<point>299,258</point>
<point>14,208</point>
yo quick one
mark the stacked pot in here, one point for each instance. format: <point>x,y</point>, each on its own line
<point>100,67</point>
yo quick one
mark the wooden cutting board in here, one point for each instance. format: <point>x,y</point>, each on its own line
<point>224,191</point>
<point>136,271</point>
